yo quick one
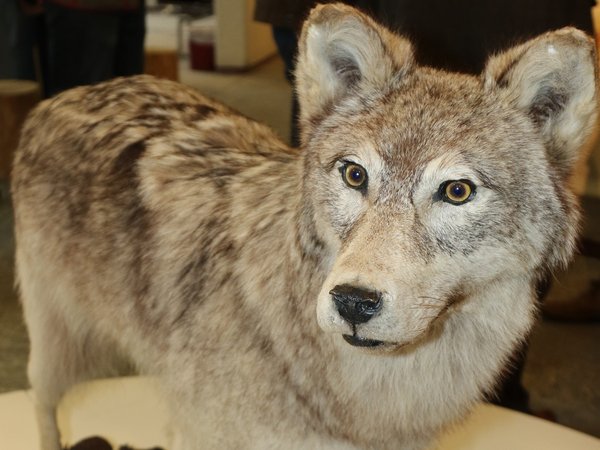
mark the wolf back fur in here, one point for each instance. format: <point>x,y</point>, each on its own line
<point>157,227</point>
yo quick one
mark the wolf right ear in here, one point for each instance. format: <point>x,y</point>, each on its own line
<point>341,50</point>
<point>552,79</point>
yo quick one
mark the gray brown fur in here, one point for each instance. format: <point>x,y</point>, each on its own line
<point>156,226</point>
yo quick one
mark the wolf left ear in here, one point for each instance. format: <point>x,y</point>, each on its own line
<point>553,80</point>
<point>343,51</point>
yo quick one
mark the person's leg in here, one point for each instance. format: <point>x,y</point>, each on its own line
<point>16,42</point>
<point>287,45</point>
<point>129,54</point>
<point>40,38</point>
<point>81,47</point>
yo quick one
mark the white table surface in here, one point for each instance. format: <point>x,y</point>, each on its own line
<point>131,411</point>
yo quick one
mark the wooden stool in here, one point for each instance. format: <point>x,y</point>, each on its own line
<point>17,98</point>
<point>162,63</point>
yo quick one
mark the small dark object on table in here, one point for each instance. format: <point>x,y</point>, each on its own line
<point>99,443</point>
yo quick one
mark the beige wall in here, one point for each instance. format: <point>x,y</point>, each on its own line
<point>240,42</point>
<point>591,170</point>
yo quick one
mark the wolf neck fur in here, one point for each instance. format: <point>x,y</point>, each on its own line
<point>392,401</point>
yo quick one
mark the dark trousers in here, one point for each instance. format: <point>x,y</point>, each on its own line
<point>287,45</point>
<point>22,43</point>
<point>86,47</point>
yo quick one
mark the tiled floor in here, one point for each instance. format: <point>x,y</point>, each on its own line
<point>563,367</point>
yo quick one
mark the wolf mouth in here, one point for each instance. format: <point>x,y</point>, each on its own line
<point>357,341</point>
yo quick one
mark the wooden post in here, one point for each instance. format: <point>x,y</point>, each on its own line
<point>17,98</point>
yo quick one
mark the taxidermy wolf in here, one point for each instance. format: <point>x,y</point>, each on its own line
<point>362,292</point>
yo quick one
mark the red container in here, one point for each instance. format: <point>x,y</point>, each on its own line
<point>202,47</point>
<point>202,55</point>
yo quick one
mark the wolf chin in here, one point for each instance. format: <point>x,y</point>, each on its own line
<point>362,292</point>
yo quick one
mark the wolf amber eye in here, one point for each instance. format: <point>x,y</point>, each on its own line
<point>457,192</point>
<point>354,175</point>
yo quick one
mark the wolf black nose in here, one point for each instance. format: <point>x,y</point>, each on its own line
<point>356,305</point>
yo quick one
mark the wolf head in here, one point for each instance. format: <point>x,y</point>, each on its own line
<point>430,188</point>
